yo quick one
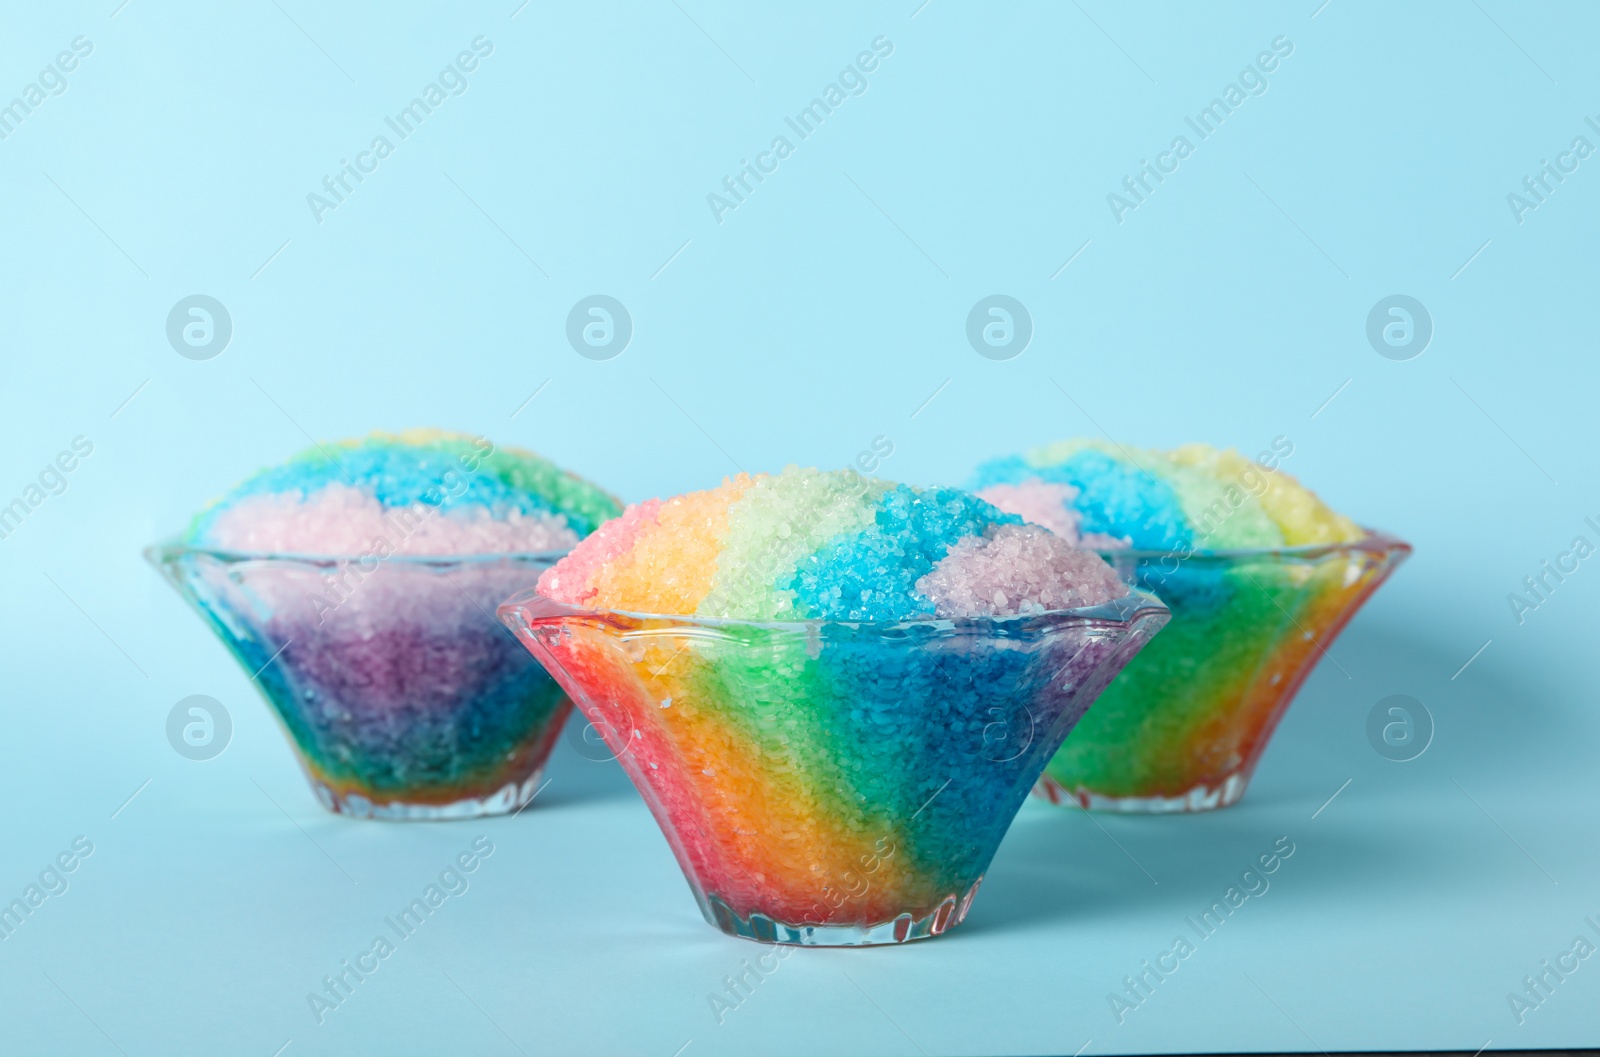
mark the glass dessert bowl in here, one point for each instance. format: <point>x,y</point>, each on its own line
<point>1183,726</point>
<point>401,695</point>
<point>833,783</point>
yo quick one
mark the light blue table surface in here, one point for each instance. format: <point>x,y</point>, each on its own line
<point>825,309</point>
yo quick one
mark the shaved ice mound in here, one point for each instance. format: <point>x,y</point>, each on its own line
<point>833,691</point>
<point>419,492</point>
<point>1194,498</point>
<point>357,581</point>
<point>1014,569</point>
<point>1259,573</point>
<point>807,545</point>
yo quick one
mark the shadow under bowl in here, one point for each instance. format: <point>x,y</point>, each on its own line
<point>825,783</point>
<point>401,694</point>
<point>1183,726</point>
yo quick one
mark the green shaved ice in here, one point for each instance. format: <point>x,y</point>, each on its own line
<point>777,523</point>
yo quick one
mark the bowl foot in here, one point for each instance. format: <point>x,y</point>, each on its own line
<point>1200,798</point>
<point>511,797</point>
<point>901,929</point>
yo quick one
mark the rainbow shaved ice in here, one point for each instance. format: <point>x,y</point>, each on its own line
<point>1193,498</point>
<point>1260,575</point>
<point>805,545</point>
<point>833,691</point>
<point>338,498</point>
<point>359,579</point>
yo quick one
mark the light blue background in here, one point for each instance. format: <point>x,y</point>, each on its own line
<point>823,312</point>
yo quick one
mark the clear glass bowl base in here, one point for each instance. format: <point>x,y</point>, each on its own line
<point>1200,798</point>
<point>905,928</point>
<point>827,783</point>
<point>1182,728</point>
<point>510,798</point>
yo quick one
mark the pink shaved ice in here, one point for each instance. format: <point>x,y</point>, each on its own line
<point>1040,502</point>
<point>1018,569</point>
<point>570,580</point>
<point>1049,504</point>
<point>339,520</point>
